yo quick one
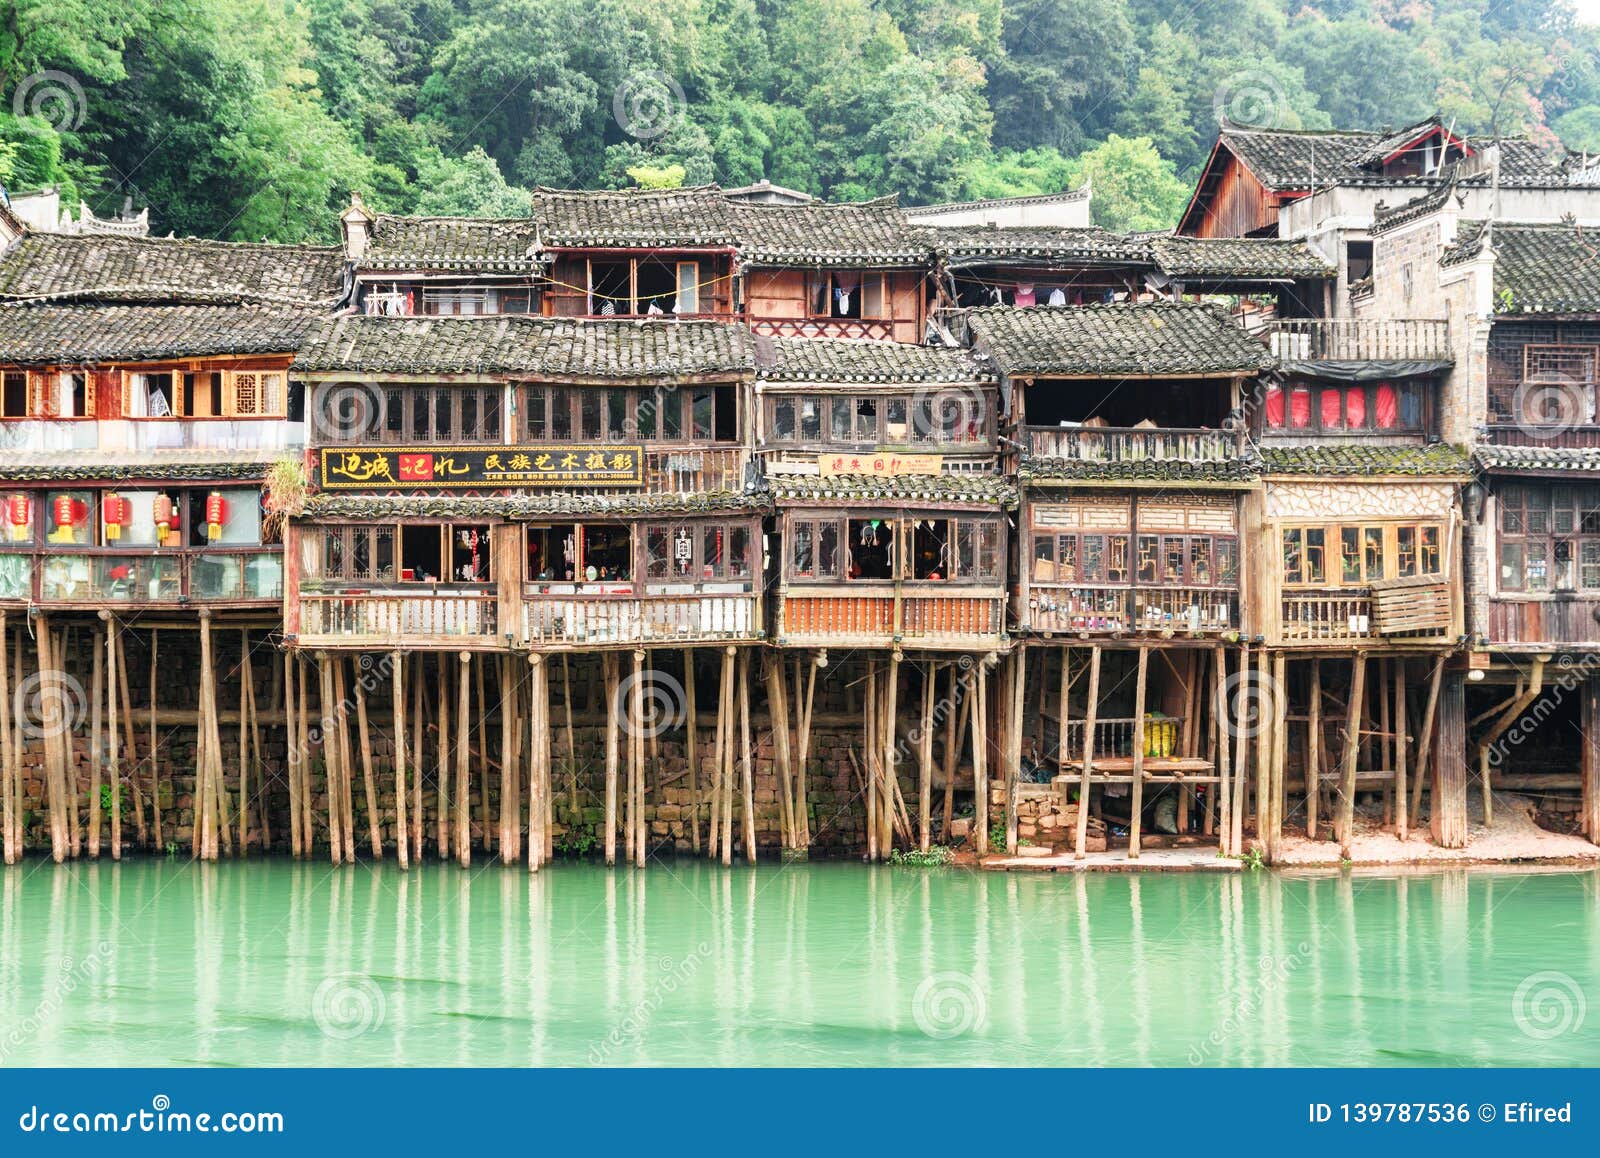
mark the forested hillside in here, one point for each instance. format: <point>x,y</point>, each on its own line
<point>253,118</point>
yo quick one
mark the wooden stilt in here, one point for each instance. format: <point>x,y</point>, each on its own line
<point>869,752</point>
<point>1589,763</point>
<point>244,743</point>
<point>539,785</point>
<point>778,710</point>
<point>510,789</point>
<point>930,675</point>
<point>330,757</point>
<point>1264,741</point>
<point>96,696</point>
<point>113,764</point>
<point>1313,773</point>
<point>1352,748</point>
<point>69,754</point>
<point>47,698</point>
<point>418,731</point>
<point>891,755</point>
<point>1386,731</point>
<point>691,746</point>
<point>1425,739</point>
<point>155,755</point>
<point>347,761</point>
<point>296,756</point>
<point>1136,804</point>
<point>307,804</point>
<point>1401,818</point>
<point>485,825</point>
<point>397,678</point>
<point>1447,812</point>
<point>613,726</point>
<point>257,761</point>
<point>721,739</point>
<point>369,784</point>
<point>129,735</point>
<point>441,838</point>
<point>9,804</point>
<point>1280,756</point>
<point>980,755</point>
<point>632,711</point>
<point>463,765</point>
<point>727,754</point>
<point>1219,721</point>
<point>747,759</point>
<point>572,740</point>
<point>803,760</point>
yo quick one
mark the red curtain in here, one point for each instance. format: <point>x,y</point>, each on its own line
<point>1355,407</point>
<point>1332,409</point>
<point>1387,406</point>
<point>1300,408</point>
<point>1275,407</point>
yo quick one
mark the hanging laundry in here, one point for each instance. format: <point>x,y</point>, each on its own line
<point>1024,294</point>
<point>1058,297</point>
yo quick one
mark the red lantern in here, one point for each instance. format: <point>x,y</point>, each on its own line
<point>21,515</point>
<point>66,511</point>
<point>216,515</point>
<point>114,512</point>
<point>165,517</point>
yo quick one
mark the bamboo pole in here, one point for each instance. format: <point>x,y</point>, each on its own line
<point>96,694</point>
<point>1425,740</point>
<point>748,758</point>
<point>398,710</point>
<point>692,748</point>
<point>1352,748</point>
<point>369,784</point>
<point>463,766</point>
<point>1136,805</point>
<point>1090,716</point>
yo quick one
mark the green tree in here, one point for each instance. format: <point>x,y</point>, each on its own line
<point>1134,188</point>
<point>469,186</point>
<point>1063,71</point>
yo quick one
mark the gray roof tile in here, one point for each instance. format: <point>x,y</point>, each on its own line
<point>1148,339</point>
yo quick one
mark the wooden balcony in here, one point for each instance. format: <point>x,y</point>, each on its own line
<point>1115,444</point>
<point>869,616</point>
<point>692,470</point>
<point>1161,738</point>
<point>1060,609</point>
<point>1359,340</point>
<point>1550,622</point>
<point>376,619</point>
<point>142,436</point>
<point>1348,616</point>
<point>551,620</point>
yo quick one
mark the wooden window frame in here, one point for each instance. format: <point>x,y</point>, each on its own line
<point>1567,534</point>
<point>1370,395</point>
<point>975,414</point>
<point>827,279</point>
<point>697,564</point>
<point>902,565</point>
<point>1332,547</point>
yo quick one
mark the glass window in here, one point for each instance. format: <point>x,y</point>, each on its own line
<point>1405,545</point>
<point>840,429</point>
<point>802,559</point>
<point>1432,561</point>
<point>1372,552</point>
<point>740,565</point>
<point>867,419</point>
<point>783,425</point>
<point>1349,555</point>
<point>1293,556</point>
<point>655,552</point>
<point>828,550</point>
<point>1145,571</point>
<point>811,419</point>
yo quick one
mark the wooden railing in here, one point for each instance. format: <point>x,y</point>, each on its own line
<point>1122,610</point>
<point>1132,444</point>
<point>374,615</point>
<point>142,436</point>
<point>1552,620</point>
<point>1310,617</point>
<point>1359,339</point>
<point>693,471</point>
<point>1115,738</point>
<point>880,329</point>
<point>927,617</point>
<point>549,620</point>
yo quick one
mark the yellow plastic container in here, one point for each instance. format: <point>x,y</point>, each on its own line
<point>1160,736</point>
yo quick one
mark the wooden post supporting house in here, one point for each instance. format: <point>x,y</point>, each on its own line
<point>1448,813</point>
<point>979,679</point>
<point>1091,713</point>
<point>397,679</point>
<point>1352,751</point>
<point>1136,797</point>
<point>463,835</point>
<point>747,762</point>
<point>1589,807</point>
<point>1313,772</point>
<point>9,797</point>
<point>1016,707</point>
<point>1219,727</point>
<point>1425,745</point>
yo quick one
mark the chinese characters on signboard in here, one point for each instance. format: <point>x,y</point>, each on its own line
<point>427,468</point>
<point>878,463</point>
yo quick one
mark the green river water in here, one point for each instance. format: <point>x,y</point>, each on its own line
<point>277,963</point>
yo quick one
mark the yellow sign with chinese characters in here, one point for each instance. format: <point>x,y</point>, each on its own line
<point>878,462</point>
<point>431,467</point>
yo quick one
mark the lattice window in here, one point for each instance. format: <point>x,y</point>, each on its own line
<point>1559,363</point>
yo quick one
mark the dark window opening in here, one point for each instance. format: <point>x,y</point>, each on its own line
<point>553,553</point>
<point>871,548</point>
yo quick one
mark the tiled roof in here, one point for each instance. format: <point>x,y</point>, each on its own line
<point>532,505</point>
<point>972,488</point>
<point>1123,339</point>
<point>99,267</point>
<point>1045,471</point>
<point>1242,257</point>
<point>663,350</point>
<point>851,360</point>
<point>1538,269</point>
<point>1385,218</point>
<point>52,334</point>
<point>957,243</point>
<point>1081,193</point>
<point>644,218</point>
<point>1537,458</point>
<point>1285,160</point>
<point>866,233</point>
<point>164,466</point>
<point>505,245</point>
<point>1357,459</point>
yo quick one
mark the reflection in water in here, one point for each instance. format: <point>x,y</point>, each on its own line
<point>271,962</point>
